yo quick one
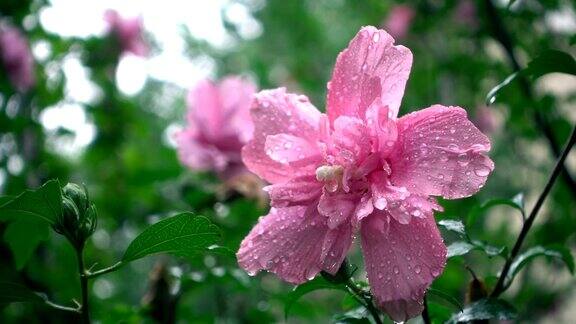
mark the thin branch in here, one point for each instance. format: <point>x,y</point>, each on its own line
<point>501,286</point>
<point>62,307</point>
<point>100,272</point>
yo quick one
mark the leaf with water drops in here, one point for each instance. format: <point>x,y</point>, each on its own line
<point>459,248</point>
<point>555,251</point>
<point>358,315</point>
<point>182,235</point>
<point>485,309</point>
<point>308,287</point>
<point>453,226</point>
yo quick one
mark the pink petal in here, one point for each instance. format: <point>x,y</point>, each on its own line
<point>336,244</point>
<point>349,140</point>
<point>402,264</point>
<point>289,242</point>
<point>370,69</point>
<point>440,152</point>
<point>285,148</point>
<point>336,207</point>
<point>277,112</point>
<point>297,191</point>
<point>364,209</point>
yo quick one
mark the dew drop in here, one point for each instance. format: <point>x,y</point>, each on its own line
<point>376,37</point>
<point>482,171</point>
<point>287,145</point>
<point>463,159</point>
<point>417,269</point>
<point>396,270</point>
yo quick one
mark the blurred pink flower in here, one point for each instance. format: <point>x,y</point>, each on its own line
<point>219,124</point>
<point>360,168</point>
<point>465,13</point>
<point>129,32</point>
<point>399,20</point>
<point>16,58</point>
<point>486,120</point>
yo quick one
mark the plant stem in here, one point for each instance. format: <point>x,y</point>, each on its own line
<point>366,298</point>
<point>84,308</point>
<point>62,307</point>
<point>425,314</point>
<point>501,286</point>
<point>111,268</point>
<point>502,35</point>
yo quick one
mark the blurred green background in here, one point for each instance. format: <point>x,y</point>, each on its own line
<point>105,119</point>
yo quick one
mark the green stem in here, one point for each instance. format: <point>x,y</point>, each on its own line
<point>62,307</point>
<point>95,274</point>
<point>425,313</point>
<point>84,308</point>
<point>366,298</point>
<point>502,285</point>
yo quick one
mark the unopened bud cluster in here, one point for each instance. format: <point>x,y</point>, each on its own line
<point>78,219</point>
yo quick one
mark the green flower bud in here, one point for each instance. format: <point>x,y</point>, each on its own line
<point>79,217</point>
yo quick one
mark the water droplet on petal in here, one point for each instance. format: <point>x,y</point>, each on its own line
<point>417,269</point>
<point>376,37</point>
<point>396,270</point>
<point>482,171</point>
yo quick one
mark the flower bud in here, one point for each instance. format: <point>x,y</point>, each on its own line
<point>78,219</point>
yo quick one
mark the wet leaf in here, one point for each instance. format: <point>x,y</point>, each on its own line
<point>485,309</point>
<point>453,226</point>
<point>556,251</point>
<point>182,235</point>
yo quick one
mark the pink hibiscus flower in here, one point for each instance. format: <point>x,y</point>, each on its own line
<point>399,21</point>
<point>128,31</point>
<point>219,124</point>
<point>359,168</point>
<point>16,58</point>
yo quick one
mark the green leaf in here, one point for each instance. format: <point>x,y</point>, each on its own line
<point>555,251</point>
<point>491,96</point>
<point>491,250</point>
<point>182,235</point>
<point>516,202</point>
<point>23,237</point>
<point>459,248</point>
<point>485,309</point>
<point>551,61</point>
<point>44,203</point>
<point>16,293</point>
<point>453,226</point>
<point>305,288</point>
<point>446,297</point>
<point>355,316</point>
